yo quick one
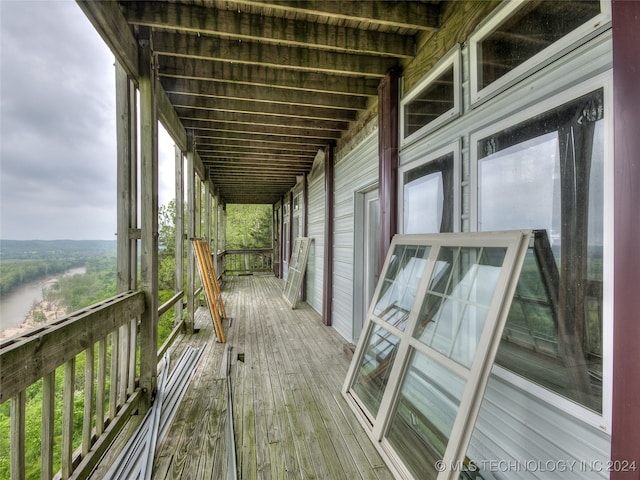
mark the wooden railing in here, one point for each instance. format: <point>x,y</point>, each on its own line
<point>247,261</point>
<point>104,338</point>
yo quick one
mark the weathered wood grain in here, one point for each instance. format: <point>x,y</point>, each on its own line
<point>291,421</point>
<point>39,353</point>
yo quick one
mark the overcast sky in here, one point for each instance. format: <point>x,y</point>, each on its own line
<point>57,125</point>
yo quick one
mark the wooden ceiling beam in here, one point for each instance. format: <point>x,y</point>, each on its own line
<point>259,119</point>
<point>208,135</point>
<point>272,94</point>
<point>232,146</point>
<point>274,56</point>
<point>278,131</point>
<point>410,15</point>
<point>259,160</point>
<point>254,153</point>
<point>258,75</point>
<point>284,31</point>
<point>262,110</point>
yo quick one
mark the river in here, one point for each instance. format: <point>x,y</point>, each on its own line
<point>16,305</point>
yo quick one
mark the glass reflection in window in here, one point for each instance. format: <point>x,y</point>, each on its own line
<point>455,308</point>
<point>436,99</point>
<point>428,197</point>
<point>529,30</point>
<point>424,414</point>
<point>400,284</point>
<point>551,170</point>
<point>374,369</point>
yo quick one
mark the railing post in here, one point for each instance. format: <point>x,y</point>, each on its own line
<point>149,210</point>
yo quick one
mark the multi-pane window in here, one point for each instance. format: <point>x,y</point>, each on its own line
<point>426,349</point>
<point>547,173</point>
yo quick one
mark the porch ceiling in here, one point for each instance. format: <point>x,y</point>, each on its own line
<point>262,85</point>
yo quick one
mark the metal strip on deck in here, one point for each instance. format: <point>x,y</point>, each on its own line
<point>136,459</point>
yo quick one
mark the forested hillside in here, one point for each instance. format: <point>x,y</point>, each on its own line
<point>22,261</point>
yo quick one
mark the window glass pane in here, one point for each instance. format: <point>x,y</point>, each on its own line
<point>434,100</point>
<point>428,197</point>
<point>551,170</point>
<point>455,308</point>
<point>527,32</point>
<point>400,284</point>
<point>424,415</point>
<point>374,369</point>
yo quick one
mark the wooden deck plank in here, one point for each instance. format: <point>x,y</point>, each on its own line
<point>291,421</point>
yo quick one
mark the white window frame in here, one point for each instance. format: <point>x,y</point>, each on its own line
<point>538,61</point>
<point>453,57</point>
<point>419,160</point>
<point>605,82</point>
<point>476,376</point>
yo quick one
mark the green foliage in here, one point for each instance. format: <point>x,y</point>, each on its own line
<point>23,261</point>
<point>78,291</point>
<point>248,226</point>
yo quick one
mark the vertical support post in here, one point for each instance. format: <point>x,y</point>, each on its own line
<point>290,239</point>
<point>149,210</point>
<point>198,205</point>
<point>327,299</point>
<point>179,185</point>
<point>388,104</point>
<point>625,439</point>
<point>216,230</point>
<point>305,227</point>
<point>282,239</point>
<point>126,156</point>
<point>207,209</point>
<point>191,233</point>
<point>223,235</point>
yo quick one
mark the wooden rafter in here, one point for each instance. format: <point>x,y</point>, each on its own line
<point>261,86</point>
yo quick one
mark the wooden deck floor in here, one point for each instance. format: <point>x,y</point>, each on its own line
<point>290,418</point>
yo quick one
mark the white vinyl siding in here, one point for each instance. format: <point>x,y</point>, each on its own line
<point>519,421</point>
<point>355,172</point>
<point>315,265</point>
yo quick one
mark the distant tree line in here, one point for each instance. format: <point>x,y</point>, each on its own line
<point>17,272</point>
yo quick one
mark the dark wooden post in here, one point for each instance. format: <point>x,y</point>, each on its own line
<point>625,440</point>
<point>327,298</point>
<point>191,233</point>
<point>305,227</point>
<point>388,105</point>
<point>149,215</point>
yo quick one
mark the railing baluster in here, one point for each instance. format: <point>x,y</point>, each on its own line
<point>18,403</point>
<point>48,415</point>
<point>123,364</point>
<point>67,417</point>
<point>87,422</point>
<point>133,342</point>
<point>113,374</point>
<point>38,355</point>
<point>101,386</point>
